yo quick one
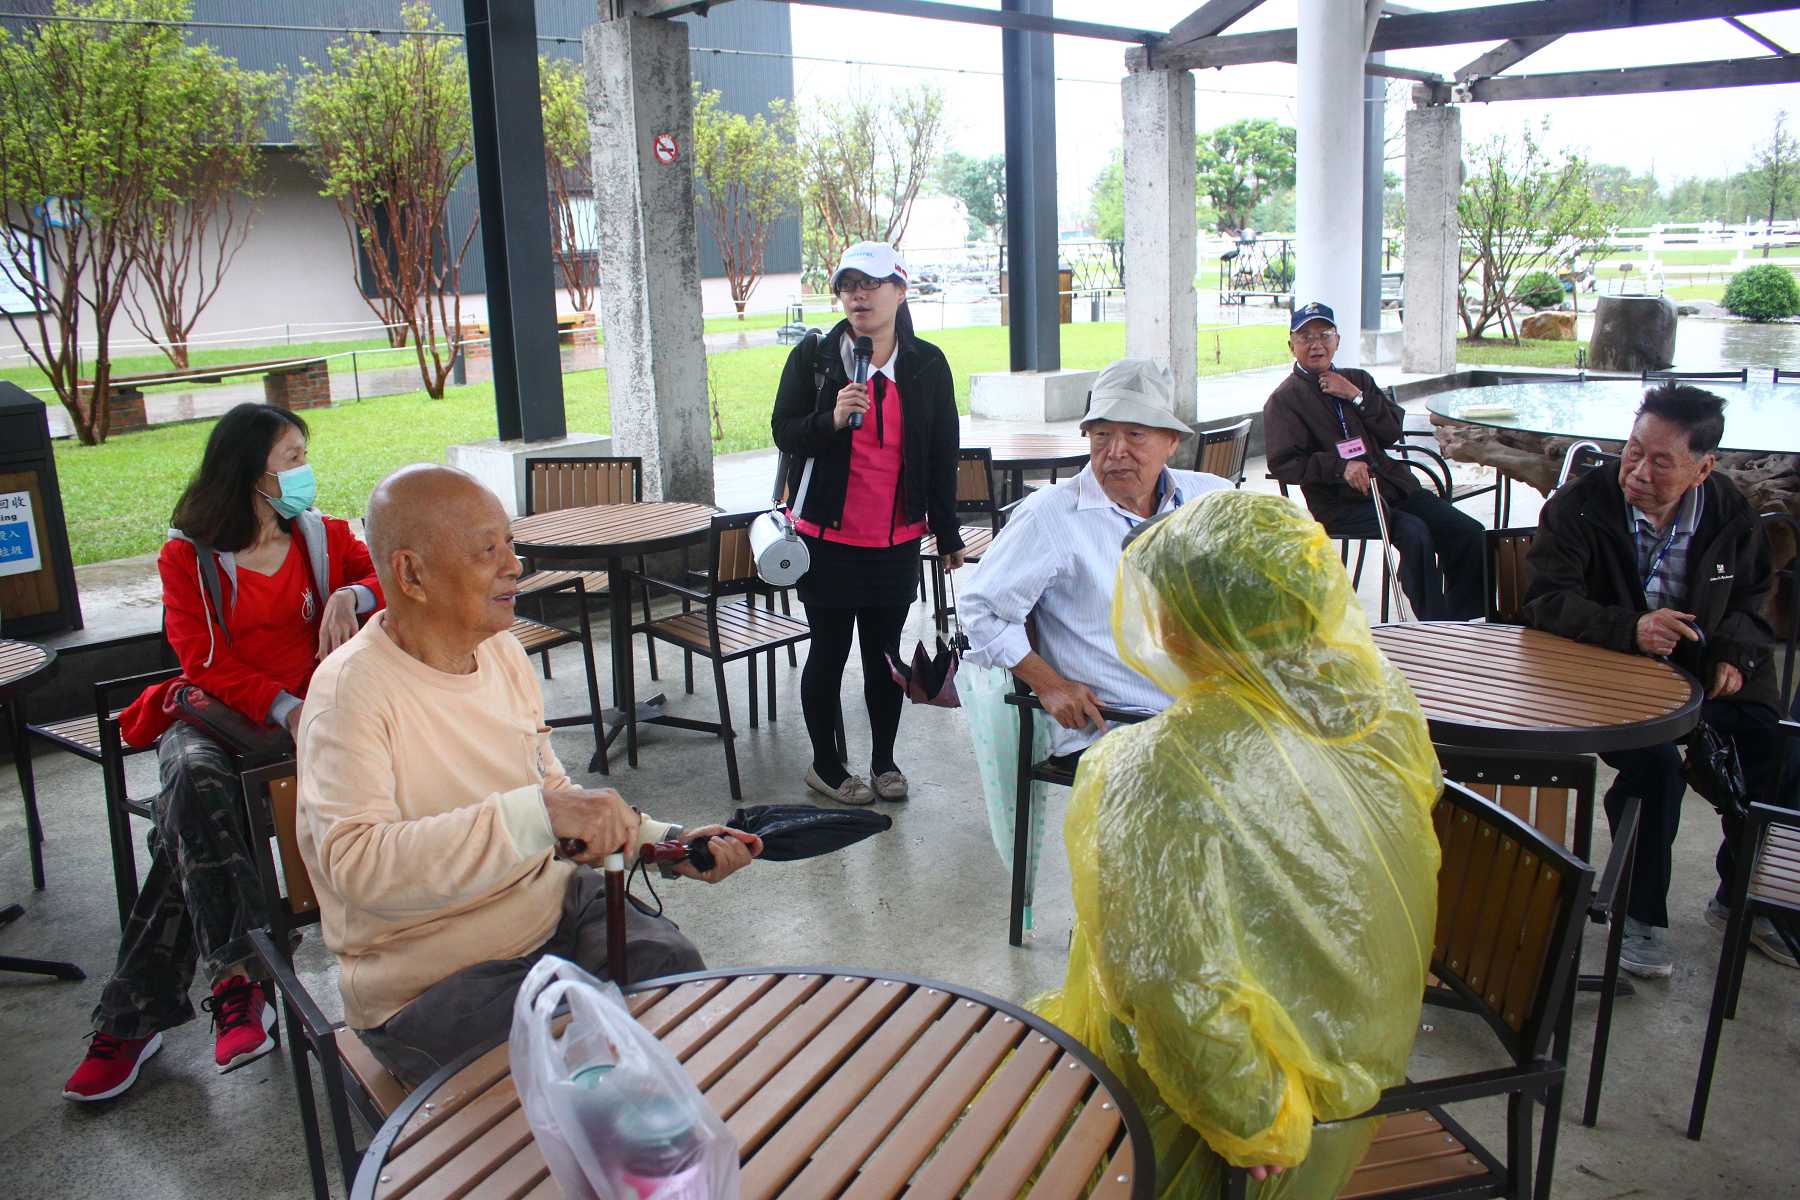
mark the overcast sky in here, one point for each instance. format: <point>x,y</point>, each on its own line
<point>1675,135</point>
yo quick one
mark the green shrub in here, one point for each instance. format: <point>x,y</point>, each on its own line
<point>1763,293</point>
<point>1540,289</point>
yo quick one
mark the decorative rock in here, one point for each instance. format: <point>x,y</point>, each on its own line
<point>1633,333</point>
<point>1688,310</point>
<point>1549,327</point>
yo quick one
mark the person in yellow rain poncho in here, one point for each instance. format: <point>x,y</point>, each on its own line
<point>1255,869</point>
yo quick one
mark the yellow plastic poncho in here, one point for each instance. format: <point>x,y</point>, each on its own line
<point>1254,869</point>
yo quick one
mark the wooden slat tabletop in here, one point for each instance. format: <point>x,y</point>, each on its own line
<point>1503,686</point>
<point>834,1084</point>
<point>611,530</point>
<point>19,661</point>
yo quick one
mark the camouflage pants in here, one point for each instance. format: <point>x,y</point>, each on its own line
<point>199,901</point>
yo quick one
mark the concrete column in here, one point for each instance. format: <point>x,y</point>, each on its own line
<point>1433,182</point>
<point>1329,154</point>
<point>639,103</point>
<point>1160,310</point>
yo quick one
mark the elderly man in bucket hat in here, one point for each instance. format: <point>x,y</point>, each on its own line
<point>1058,555</point>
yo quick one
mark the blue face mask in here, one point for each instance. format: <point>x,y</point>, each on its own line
<point>298,491</point>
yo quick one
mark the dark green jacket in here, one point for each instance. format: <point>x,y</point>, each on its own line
<point>1585,583</point>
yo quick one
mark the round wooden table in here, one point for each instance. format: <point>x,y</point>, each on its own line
<point>833,1083</point>
<point>1016,453</point>
<point>1503,687</point>
<point>615,533</point>
<point>24,666</point>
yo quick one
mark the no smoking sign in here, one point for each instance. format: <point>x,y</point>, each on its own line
<point>667,151</point>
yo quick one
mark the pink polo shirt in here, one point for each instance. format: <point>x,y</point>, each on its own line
<point>874,512</point>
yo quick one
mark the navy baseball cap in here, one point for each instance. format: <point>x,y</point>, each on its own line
<point>1311,312</point>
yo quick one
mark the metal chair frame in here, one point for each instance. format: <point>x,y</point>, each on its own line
<point>975,494</point>
<point>1582,457</point>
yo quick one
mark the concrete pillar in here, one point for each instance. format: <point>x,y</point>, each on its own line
<point>1160,243</point>
<point>1374,188</point>
<point>1433,182</point>
<point>1329,155</point>
<point>640,107</point>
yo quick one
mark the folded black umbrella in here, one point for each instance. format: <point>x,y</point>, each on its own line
<point>790,831</point>
<point>929,679</point>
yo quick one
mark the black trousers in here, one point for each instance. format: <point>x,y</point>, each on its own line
<point>1441,553</point>
<point>877,629</point>
<point>1654,775</point>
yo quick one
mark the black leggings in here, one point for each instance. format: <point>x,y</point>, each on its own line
<point>822,682</point>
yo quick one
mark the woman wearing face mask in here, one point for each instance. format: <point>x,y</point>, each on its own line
<point>258,587</point>
<point>882,474</point>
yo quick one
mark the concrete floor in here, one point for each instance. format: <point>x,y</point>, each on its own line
<point>928,897</point>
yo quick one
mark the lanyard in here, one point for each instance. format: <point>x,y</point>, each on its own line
<point>1132,521</point>
<point>1661,553</point>
<point>1339,405</point>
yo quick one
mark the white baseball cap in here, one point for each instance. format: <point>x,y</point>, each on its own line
<point>1135,391</point>
<point>877,260</point>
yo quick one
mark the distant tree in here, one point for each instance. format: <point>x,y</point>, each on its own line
<point>1241,163</point>
<point>1521,209</point>
<point>1106,200</point>
<point>1274,212</point>
<point>747,174</point>
<point>569,170</point>
<point>980,183</point>
<point>1775,171</point>
<point>197,228</point>
<point>388,130</point>
<point>865,160</point>
<point>93,138</point>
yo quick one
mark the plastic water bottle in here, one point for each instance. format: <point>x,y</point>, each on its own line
<point>648,1140</point>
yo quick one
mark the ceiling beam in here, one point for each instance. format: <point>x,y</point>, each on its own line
<point>614,9</point>
<point>1677,77</point>
<point>1752,34</point>
<point>1503,56</point>
<point>1491,22</point>
<point>1210,19</point>
<point>1024,22</point>
<point>1389,71</point>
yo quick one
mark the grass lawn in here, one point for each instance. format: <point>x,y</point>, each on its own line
<point>1697,291</point>
<point>354,445</point>
<point>1493,352</point>
<point>825,318</point>
<point>370,353</point>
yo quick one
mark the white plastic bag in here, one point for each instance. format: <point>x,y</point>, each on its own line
<point>613,1112</point>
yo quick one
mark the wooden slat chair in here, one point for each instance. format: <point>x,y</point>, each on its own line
<point>558,483</point>
<point>350,1074</point>
<point>1508,573</point>
<point>1582,457</point>
<point>1509,911</point>
<point>832,1083</point>
<point>1766,884</point>
<point>975,494</point>
<point>1439,484</point>
<point>1046,770</point>
<point>95,737</point>
<point>1555,794</point>
<point>723,632</point>
<point>1224,451</point>
<point>540,638</point>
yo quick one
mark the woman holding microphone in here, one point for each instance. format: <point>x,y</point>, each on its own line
<point>871,468</point>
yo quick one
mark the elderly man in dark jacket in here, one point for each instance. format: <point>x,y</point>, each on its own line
<point>1327,428</point>
<point>1664,557</point>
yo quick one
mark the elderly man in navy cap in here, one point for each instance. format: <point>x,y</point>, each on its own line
<point>1058,556</point>
<point>1327,428</point>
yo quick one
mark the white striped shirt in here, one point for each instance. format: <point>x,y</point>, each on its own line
<point>1059,555</point>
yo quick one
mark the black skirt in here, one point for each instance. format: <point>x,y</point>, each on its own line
<point>859,576</point>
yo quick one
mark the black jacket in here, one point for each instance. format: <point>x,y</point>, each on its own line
<point>803,428</point>
<point>1585,583</point>
<point>1301,433</point>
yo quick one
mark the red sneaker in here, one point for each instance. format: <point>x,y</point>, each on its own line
<point>243,1023</point>
<point>112,1065</point>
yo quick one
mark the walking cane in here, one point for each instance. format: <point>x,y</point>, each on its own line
<point>614,867</point>
<point>1392,568</point>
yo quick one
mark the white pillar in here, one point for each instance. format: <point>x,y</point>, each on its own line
<point>1432,246</point>
<point>1329,156</point>
<point>641,120</point>
<point>1160,313</point>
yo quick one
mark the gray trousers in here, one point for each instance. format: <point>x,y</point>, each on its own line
<point>474,1007</point>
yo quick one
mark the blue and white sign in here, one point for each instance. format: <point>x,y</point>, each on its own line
<point>19,549</point>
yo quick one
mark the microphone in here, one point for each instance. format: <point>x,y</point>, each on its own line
<point>862,353</point>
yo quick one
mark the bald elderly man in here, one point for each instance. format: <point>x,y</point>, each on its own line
<point>430,800</point>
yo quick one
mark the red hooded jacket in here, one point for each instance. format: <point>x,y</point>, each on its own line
<point>215,652</point>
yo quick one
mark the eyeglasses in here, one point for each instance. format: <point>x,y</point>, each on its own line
<point>859,283</point>
<point>1315,339</point>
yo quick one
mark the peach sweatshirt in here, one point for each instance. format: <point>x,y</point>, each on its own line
<point>421,816</point>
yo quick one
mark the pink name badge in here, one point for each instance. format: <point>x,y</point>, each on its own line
<point>1351,448</point>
